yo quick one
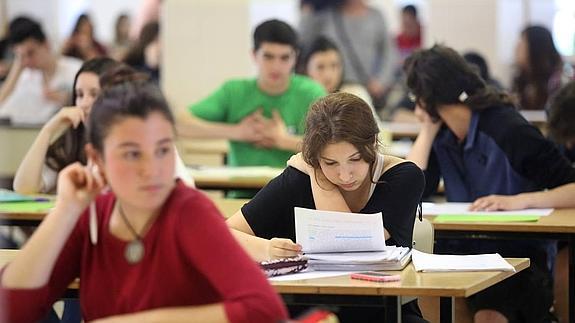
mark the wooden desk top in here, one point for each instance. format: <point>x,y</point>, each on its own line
<point>233,177</point>
<point>559,221</point>
<point>460,284</point>
<point>402,129</point>
<point>452,284</point>
<point>229,207</point>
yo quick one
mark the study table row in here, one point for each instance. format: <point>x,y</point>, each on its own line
<point>342,290</point>
<point>560,225</point>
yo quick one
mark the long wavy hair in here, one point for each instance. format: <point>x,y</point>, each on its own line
<point>69,148</point>
<point>439,75</point>
<point>532,82</point>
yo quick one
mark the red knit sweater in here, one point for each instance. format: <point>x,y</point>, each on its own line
<point>191,259</point>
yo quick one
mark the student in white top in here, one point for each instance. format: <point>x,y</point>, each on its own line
<point>39,81</point>
<point>62,139</point>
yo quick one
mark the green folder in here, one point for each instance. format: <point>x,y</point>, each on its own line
<point>26,207</point>
<point>486,218</point>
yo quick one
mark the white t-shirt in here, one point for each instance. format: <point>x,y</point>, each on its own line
<point>27,103</point>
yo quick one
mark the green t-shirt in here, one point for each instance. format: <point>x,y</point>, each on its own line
<point>237,99</point>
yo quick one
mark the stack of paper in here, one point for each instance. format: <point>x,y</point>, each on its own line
<point>346,241</point>
<point>392,258</point>
<point>440,263</point>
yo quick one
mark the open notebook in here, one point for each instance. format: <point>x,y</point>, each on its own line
<point>346,241</point>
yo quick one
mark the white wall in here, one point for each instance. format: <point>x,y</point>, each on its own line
<point>58,16</point>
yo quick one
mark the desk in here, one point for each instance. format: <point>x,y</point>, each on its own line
<point>14,143</point>
<point>558,225</point>
<point>226,206</point>
<point>210,152</point>
<point>225,178</point>
<point>401,130</point>
<point>229,207</point>
<point>344,290</point>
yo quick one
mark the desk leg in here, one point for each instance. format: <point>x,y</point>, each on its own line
<point>571,302</point>
<point>393,309</point>
<point>446,309</point>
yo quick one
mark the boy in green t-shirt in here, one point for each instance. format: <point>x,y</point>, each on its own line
<point>263,117</point>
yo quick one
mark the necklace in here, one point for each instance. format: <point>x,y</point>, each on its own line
<point>135,249</point>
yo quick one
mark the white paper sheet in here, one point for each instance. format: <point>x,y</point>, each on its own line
<point>240,172</point>
<point>463,209</point>
<point>326,231</point>
<point>441,263</point>
<point>310,274</point>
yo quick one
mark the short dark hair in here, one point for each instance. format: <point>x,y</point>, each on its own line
<point>562,114</point>
<point>132,98</point>
<point>319,45</point>
<point>23,28</point>
<point>410,9</point>
<point>439,76</point>
<point>479,62</point>
<point>275,31</point>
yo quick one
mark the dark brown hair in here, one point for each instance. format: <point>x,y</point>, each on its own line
<point>130,97</point>
<point>531,82</point>
<point>336,118</point>
<point>69,147</point>
<point>562,115</point>
<point>149,33</point>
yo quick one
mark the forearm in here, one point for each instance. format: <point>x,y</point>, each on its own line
<point>559,197</point>
<point>204,313</point>
<point>421,149</point>
<point>256,247</point>
<point>10,82</point>
<point>327,197</point>
<point>291,143</point>
<point>194,127</point>
<point>34,264</point>
<point>28,178</point>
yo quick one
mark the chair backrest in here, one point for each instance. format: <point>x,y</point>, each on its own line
<point>423,235</point>
<point>423,239</point>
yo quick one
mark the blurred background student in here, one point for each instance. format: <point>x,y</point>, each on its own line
<point>122,42</point>
<point>39,81</point>
<point>540,70</point>
<point>82,43</point>
<point>409,38</point>
<point>322,61</point>
<point>145,53</point>
<point>369,60</point>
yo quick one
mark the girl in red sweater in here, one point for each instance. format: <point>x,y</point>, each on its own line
<point>155,250</point>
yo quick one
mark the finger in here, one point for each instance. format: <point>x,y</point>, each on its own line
<point>89,185</point>
<point>83,116</point>
<point>475,205</point>
<point>99,179</point>
<point>286,244</point>
<point>282,253</point>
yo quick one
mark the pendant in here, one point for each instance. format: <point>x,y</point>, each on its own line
<point>134,251</point>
